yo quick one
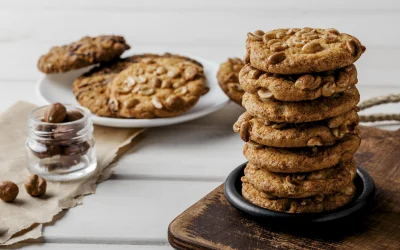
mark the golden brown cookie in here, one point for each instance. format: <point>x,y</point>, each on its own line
<point>297,87</point>
<point>228,79</point>
<point>299,160</point>
<point>160,87</point>
<point>91,89</point>
<point>299,51</point>
<point>320,182</point>
<point>85,52</point>
<point>313,204</point>
<point>304,111</point>
<point>293,135</point>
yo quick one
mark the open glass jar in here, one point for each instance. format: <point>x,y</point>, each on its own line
<point>61,151</point>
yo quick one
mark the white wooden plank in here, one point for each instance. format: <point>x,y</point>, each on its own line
<point>128,212</point>
<point>211,28</point>
<point>66,246</point>
<point>206,5</point>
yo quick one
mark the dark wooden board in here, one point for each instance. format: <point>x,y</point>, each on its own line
<point>212,223</point>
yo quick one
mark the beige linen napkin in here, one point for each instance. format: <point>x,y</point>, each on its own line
<point>23,218</point>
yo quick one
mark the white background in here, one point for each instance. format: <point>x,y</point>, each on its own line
<point>173,167</point>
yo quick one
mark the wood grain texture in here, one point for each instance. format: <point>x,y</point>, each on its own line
<point>212,223</point>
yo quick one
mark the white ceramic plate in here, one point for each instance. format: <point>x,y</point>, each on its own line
<point>57,88</point>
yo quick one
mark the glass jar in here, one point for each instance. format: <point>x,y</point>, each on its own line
<point>61,151</point>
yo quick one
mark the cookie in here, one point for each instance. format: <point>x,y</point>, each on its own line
<point>91,89</point>
<point>299,51</point>
<point>297,87</point>
<point>304,111</point>
<point>299,160</point>
<point>313,204</point>
<point>161,87</point>
<point>228,79</point>
<point>294,135</point>
<point>320,182</point>
<point>85,52</point>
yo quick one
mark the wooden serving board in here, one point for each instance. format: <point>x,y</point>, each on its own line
<point>212,223</point>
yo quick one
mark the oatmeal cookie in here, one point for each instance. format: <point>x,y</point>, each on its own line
<point>228,79</point>
<point>299,160</point>
<point>320,182</point>
<point>304,111</point>
<point>85,52</point>
<point>294,135</point>
<point>313,204</point>
<point>297,87</point>
<point>91,89</point>
<point>160,87</point>
<point>299,51</point>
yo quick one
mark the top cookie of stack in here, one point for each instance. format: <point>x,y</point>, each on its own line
<point>301,120</point>
<point>299,51</point>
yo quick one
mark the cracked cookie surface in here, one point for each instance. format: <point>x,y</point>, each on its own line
<point>228,79</point>
<point>304,111</point>
<point>313,204</point>
<point>297,87</point>
<point>85,52</point>
<point>293,135</point>
<point>298,51</point>
<point>320,182</point>
<point>166,86</point>
<point>299,160</point>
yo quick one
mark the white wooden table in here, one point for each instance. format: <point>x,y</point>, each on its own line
<point>173,167</point>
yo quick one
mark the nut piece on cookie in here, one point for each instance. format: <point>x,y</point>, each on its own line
<point>85,52</point>
<point>228,79</point>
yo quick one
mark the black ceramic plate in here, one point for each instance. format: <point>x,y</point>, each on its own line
<point>365,190</point>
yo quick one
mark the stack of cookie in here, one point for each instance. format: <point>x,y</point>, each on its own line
<point>300,124</point>
<point>140,86</point>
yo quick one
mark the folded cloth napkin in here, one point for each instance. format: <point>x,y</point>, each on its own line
<point>24,218</point>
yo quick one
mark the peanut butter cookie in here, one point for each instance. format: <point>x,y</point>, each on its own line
<point>299,51</point>
<point>160,87</point>
<point>299,160</point>
<point>85,52</point>
<point>304,111</point>
<point>320,182</point>
<point>293,135</point>
<point>228,79</point>
<point>297,87</point>
<point>91,89</point>
<point>313,204</point>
